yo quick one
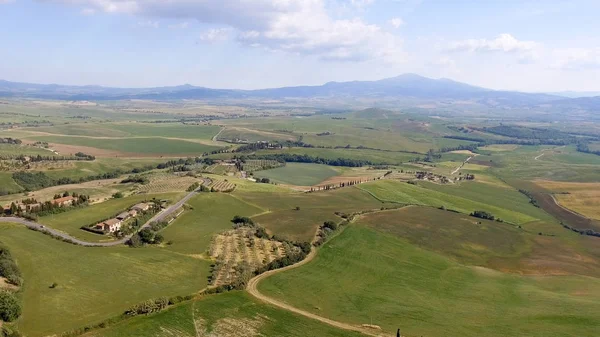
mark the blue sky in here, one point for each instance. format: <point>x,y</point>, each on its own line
<point>546,45</point>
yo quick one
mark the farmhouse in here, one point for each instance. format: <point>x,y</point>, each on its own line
<point>123,216</point>
<point>133,213</point>
<point>140,207</point>
<point>109,226</point>
<point>65,201</point>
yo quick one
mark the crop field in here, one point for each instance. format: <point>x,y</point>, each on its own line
<point>71,221</point>
<point>366,276</point>
<point>211,214</point>
<point>217,185</point>
<point>239,248</point>
<point>220,169</point>
<point>137,146</point>
<point>299,174</point>
<point>583,198</point>
<point>166,182</point>
<point>424,194</point>
<point>93,283</point>
<point>233,314</point>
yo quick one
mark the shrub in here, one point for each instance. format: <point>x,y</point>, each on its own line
<point>10,309</point>
<point>118,195</point>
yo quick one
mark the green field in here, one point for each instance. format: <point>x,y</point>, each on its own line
<point>366,276</point>
<point>283,219</point>
<point>423,194</point>
<point>148,146</point>
<point>93,283</point>
<point>212,212</point>
<point>7,184</point>
<point>376,157</point>
<point>234,314</point>
<point>23,150</point>
<point>71,222</point>
<point>299,174</point>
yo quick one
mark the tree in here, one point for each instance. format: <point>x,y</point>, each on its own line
<point>118,195</point>
<point>10,309</point>
<point>146,235</point>
<point>158,238</point>
<point>66,194</point>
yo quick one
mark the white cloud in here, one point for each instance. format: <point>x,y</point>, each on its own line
<point>215,35</point>
<point>576,58</point>
<point>396,22</point>
<point>3,2</point>
<point>502,43</point>
<point>296,26</point>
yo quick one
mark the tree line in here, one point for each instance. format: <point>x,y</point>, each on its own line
<point>304,158</point>
<point>10,306</point>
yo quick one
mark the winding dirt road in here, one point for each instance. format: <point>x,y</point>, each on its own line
<point>43,228</point>
<point>253,290</point>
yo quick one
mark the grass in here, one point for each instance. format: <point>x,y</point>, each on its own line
<point>70,222</point>
<point>17,150</point>
<point>93,283</point>
<point>156,146</point>
<point>300,174</point>
<point>192,232</point>
<point>7,184</point>
<point>283,219</point>
<point>376,157</point>
<point>426,194</point>
<point>233,314</point>
<point>364,276</point>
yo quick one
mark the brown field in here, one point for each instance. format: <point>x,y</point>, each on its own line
<point>5,285</point>
<point>582,198</point>
<point>238,247</point>
<point>463,152</point>
<point>501,147</point>
<point>575,220</point>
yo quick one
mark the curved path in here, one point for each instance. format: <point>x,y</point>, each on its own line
<point>253,290</point>
<point>42,228</point>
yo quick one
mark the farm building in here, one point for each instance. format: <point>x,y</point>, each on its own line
<point>123,216</point>
<point>65,201</point>
<point>109,226</point>
<point>133,213</point>
<point>141,207</point>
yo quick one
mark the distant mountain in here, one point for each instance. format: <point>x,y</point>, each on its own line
<point>407,87</point>
<point>576,94</point>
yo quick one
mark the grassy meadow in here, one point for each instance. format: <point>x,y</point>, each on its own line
<point>368,276</point>
<point>234,314</point>
<point>141,146</point>
<point>93,283</point>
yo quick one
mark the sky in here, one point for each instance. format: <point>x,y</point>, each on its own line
<point>534,46</point>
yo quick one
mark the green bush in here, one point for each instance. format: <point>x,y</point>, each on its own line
<point>10,309</point>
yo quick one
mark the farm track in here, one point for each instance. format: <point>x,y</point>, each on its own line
<point>252,289</point>
<point>463,164</point>
<point>43,228</point>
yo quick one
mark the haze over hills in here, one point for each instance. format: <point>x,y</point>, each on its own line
<point>411,88</point>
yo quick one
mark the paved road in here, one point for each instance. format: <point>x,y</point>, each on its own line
<point>39,227</point>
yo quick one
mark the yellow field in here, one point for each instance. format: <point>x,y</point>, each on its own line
<point>583,198</point>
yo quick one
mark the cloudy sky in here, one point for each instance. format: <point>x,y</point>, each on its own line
<point>545,45</point>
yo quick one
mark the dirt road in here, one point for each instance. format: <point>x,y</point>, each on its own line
<point>463,164</point>
<point>252,289</point>
<point>43,228</point>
